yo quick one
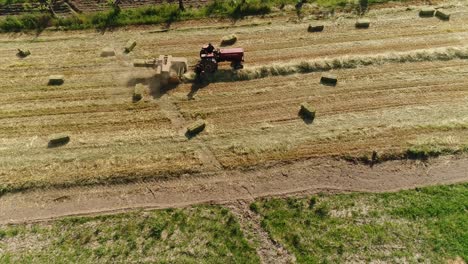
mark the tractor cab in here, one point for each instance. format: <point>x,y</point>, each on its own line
<point>207,50</point>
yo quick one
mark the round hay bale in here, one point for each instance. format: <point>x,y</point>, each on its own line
<point>107,52</point>
<point>228,40</point>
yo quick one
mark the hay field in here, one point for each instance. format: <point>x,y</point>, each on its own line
<point>387,107</point>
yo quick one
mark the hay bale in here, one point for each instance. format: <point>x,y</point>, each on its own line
<point>426,12</point>
<point>228,40</point>
<point>58,140</point>
<point>307,111</point>
<point>196,127</point>
<point>138,92</point>
<point>443,15</point>
<point>23,53</point>
<point>130,46</point>
<point>56,80</point>
<point>107,52</point>
<point>362,23</point>
<point>315,28</point>
<point>329,79</point>
<point>144,63</point>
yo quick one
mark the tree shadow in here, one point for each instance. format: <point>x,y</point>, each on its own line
<point>38,32</point>
<point>105,28</point>
<point>167,25</point>
<point>110,21</point>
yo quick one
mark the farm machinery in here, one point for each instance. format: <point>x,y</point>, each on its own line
<point>211,57</point>
<point>170,69</point>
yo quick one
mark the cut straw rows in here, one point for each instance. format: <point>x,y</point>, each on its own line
<point>345,62</point>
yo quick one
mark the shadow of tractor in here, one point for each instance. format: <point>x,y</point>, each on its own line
<point>157,86</point>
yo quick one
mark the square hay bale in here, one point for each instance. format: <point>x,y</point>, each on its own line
<point>138,92</point>
<point>426,12</point>
<point>56,80</point>
<point>315,28</point>
<point>442,15</point>
<point>307,111</point>
<point>329,79</point>
<point>144,63</point>
<point>196,127</point>
<point>228,40</point>
<point>107,52</point>
<point>23,53</point>
<point>130,46</point>
<point>58,140</point>
<point>362,23</point>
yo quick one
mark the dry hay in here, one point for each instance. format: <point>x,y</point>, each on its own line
<point>130,46</point>
<point>56,80</point>
<point>315,28</point>
<point>344,62</point>
<point>362,23</point>
<point>107,52</point>
<point>427,12</point>
<point>228,40</point>
<point>443,15</point>
<point>328,79</point>
<point>58,140</point>
<point>196,127</point>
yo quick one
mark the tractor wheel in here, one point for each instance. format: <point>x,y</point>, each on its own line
<point>210,66</point>
<point>237,65</point>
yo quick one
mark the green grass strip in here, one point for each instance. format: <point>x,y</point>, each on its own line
<point>428,225</point>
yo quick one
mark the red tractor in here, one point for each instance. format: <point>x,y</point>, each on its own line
<point>210,57</point>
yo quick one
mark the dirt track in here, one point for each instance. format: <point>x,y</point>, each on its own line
<point>310,176</point>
